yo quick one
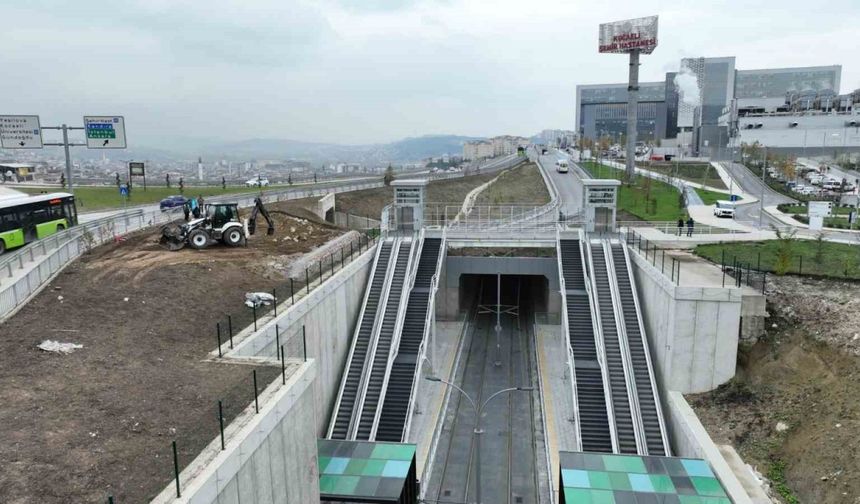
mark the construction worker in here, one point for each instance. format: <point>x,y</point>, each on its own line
<point>195,209</point>
<point>186,209</point>
<point>690,227</point>
<point>680,225</point>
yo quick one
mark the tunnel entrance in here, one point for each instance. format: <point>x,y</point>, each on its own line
<point>483,289</point>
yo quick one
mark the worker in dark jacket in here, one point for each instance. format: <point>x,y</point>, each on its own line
<point>690,227</point>
<point>680,225</point>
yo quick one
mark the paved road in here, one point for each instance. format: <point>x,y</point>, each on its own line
<point>509,461</point>
<point>750,212</point>
<point>568,184</point>
<point>751,184</point>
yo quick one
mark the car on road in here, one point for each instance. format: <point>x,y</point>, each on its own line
<point>562,166</point>
<point>257,182</point>
<point>171,202</point>
<point>724,209</point>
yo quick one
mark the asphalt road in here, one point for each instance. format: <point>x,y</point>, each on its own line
<point>568,184</point>
<point>749,212</point>
<point>509,461</point>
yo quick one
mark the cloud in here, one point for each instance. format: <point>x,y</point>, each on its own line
<point>368,71</point>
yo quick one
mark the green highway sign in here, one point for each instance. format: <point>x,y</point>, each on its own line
<point>105,132</point>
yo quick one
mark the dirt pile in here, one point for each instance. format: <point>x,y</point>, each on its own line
<point>793,410</point>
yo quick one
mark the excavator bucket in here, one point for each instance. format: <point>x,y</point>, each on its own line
<point>171,237</point>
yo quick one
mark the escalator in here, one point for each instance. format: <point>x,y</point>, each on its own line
<point>620,399</point>
<point>395,407</point>
<point>593,418</point>
<point>382,349</point>
<point>646,389</point>
<point>361,343</point>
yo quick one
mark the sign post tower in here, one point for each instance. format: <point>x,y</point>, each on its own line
<point>632,37</point>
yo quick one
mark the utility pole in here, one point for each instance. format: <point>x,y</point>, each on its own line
<point>65,144</point>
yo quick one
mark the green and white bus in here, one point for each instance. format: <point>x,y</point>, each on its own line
<point>27,218</point>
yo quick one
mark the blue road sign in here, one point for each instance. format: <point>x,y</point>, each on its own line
<point>123,190</point>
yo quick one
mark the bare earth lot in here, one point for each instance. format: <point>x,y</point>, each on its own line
<point>100,421</point>
<point>793,411</point>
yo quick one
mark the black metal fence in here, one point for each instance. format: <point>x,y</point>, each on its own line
<point>669,266</point>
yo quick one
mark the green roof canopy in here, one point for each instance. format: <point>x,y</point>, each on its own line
<point>600,478</point>
<point>358,471</point>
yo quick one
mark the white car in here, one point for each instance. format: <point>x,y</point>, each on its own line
<point>562,166</point>
<point>724,209</point>
<point>257,182</point>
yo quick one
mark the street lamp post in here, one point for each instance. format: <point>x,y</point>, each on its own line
<point>478,431</point>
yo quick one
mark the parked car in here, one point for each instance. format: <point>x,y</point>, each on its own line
<point>171,202</point>
<point>257,182</point>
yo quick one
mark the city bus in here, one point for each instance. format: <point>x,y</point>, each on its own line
<point>27,218</point>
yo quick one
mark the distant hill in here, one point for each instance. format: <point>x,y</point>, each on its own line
<point>401,151</point>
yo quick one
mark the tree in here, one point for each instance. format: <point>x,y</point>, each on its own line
<point>389,175</point>
<point>784,250</point>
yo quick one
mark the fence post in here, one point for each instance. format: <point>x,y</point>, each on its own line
<point>280,350</point>
<point>758,267</point>
<point>307,281</point>
<point>230,327</point>
<point>801,264</point>
<point>679,272</point>
<point>277,338</point>
<point>275,302</point>
<point>341,258</point>
<point>176,469</point>
<point>351,252</point>
<point>218,330</point>
<point>663,263</point>
<point>763,280</point>
<point>256,402</point>
<point>255,317</point>
<point>221,423</point>
<point>304,343</point>
<point>320,277</point>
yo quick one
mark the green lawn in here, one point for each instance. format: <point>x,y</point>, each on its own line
<point>701,173</point>
<point>100,198</point>
<point>520,186</point>
<point>711,197</point>
<point>803,209</point>
<point>837,260</point>
<point>645,198</point>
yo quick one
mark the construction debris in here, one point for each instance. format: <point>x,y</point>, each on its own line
<point>57,347</point>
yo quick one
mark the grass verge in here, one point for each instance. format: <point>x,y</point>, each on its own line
<point>520,186</point>
<point>700,173</point>
<point>101,198</point>
<point>645,198</point>
<point>805,257</point>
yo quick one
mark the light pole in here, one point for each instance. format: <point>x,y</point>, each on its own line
<point>763,189</point>
<point>477,432</point>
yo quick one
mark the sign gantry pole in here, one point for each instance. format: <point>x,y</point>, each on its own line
<point>65,144</point>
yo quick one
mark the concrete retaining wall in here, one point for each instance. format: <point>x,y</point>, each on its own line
<point>329,315</point>
<point>270,457</point>
<point>690,439</point>
<point>692,331</point>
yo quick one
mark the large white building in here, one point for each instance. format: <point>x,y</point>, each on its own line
<point>497,146</point>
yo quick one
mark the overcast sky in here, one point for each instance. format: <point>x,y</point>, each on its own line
<point>365,71</point>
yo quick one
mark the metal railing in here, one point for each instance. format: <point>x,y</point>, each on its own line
<point>671,228</point>
<point>429,318</point>
<point>645,248</point>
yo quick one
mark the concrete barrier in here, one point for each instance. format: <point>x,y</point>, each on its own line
<point>270,457</point>
<point>690,439</point>
<point>693,331</point>
<point>329,316</point>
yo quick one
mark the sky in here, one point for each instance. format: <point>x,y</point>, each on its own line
<point>372,71</point>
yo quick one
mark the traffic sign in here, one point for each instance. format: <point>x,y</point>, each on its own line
<point>105,132</point>
<point>20,132</point>
<point>123,190</point>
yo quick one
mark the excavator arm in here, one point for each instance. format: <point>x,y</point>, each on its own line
<point>261,210</point>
